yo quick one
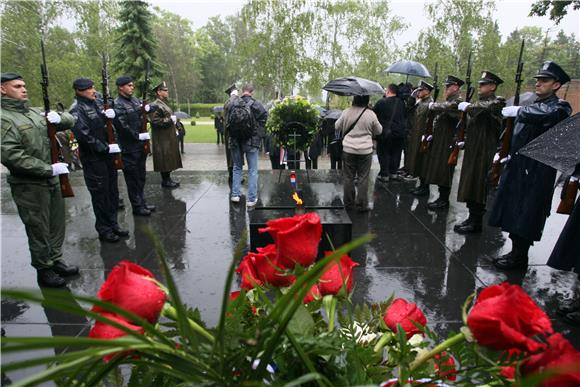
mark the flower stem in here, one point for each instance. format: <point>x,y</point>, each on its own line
<point>438,349</point>
<point>329,303</point>
<point>385,338</point>
<point>171,313</point>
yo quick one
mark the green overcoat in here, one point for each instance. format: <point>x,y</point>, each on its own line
<point>166,156</point>
<point>414,159</point>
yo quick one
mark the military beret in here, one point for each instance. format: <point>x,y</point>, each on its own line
<point>10,77</point>
<point>552,70</point>
<point>123,80</point>
<point>231,88</point>
<point>451,80</point>
<point>82,84</point>
<point>161,86</point>
<point>489,77</point>
<point>425,86</point>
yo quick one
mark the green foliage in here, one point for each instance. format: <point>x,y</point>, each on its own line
<point>291,115</point>
<point>197,114</point>
<point>204,109</point>
<point>557,9</point>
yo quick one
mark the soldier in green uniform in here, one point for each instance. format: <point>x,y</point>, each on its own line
<point>419,123</point>
<point>166,156</point>
<point>34,180</point>
<point>481,139</point>
<point>437,171</point>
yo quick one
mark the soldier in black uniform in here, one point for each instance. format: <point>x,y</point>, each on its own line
<point>524,197</point>
<point>98,169</point>
<point>128,121</point>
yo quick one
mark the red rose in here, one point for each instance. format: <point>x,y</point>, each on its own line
<point>313,294</point>
<point>508,372</point>
<point>505,317</point>
<point>234,295</point>
<point>105,331</point>
<point>445,366</point>
<point>336,275</point>
<point>269,270</point>
<point>130,287</point>
<point>559,354</point>
<point>403,313</point>
<point>248,273</point>
<point>296,238</point>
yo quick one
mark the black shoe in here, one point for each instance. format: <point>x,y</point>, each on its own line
<point>63,269</point>
<point>573,318</point>
<point>438,204</point>
<point>48,278</point>
<point>421,191</point>
<point>120,232</point>
<point>569,307</point>
<point>511,261</point>
<point>395,177</point>
<point>150,207</point>
<point>469,228</point>
<point>169,184</point>
<point>109,237</point>
<point>142,212</point>
<point>384,179</point>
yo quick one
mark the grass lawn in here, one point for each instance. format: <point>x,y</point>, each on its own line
<point>199,134</point>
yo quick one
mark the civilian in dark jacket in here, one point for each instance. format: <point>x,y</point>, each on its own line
<point>390,111</point>
<point>524,197</point>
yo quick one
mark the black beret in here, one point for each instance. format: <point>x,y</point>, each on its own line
<point>553,70</point>
<point>123,80</point>
<point>10,77</point>
<point>162,85</point>
<point>82,84</point>
<point>489,77</point>
<point>425,86</point>
<point>451,80</point>
<point>231,88</point>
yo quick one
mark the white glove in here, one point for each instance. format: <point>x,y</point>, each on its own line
<point>505,159</point>
<point>177,133</point>
<point>53,117</point>
<point>147,108</point>
<point>431,105</point>
<point>114,148</point>
<point>461,144</point>
<point>110,113</point>
<point>174,119</point>
<point>144,136</point>
<point>463,105</point>
<point>59,169</point>
<point>234,92</point>
<point>429,138</point>
<point>510,111</point>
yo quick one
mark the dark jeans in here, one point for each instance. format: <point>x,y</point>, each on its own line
<point>356,166</point>
<point>389,153</point>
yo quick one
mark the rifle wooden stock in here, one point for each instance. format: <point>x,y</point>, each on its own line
<point>452,160</point>
<point>146,143</point>
<point>117,159</point>
<point>428,132</point>
<point>569,193</point>
<point>504,150</point>
<point>65,187</point>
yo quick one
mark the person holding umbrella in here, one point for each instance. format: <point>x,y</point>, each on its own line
<point>524,196</point>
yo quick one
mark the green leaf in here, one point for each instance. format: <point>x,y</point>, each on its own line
<point>301,323</point>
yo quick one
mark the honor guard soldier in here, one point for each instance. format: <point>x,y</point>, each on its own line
<point>418,124</point>
<point>128,121</point>
<point>482,133</point>
<point>95,153</point>
<point>526,187</point>
<point>437,170</point>
<point>166,156</point>
<point>34,180</point>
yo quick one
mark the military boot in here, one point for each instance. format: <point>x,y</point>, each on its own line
<point>569,307</point>
<point>471,226</point>
<point>438,204</point>
<point>48,278</point>
<point>512,261</point>
<point>462,224</point>
<point>422,190</point>
<point>64,270</point>
<point>573,318</point>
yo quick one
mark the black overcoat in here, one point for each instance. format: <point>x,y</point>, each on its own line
<point>566,254</point>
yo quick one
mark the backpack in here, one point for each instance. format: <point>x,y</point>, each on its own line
<point>241,120</point>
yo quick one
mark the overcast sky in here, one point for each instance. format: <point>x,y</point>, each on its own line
<point>510,14</point>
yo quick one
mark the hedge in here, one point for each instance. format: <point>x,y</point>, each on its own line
<point>204,109</point>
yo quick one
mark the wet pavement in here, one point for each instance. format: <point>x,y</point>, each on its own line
<point>415,254</point>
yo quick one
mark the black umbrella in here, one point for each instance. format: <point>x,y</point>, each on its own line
<point>526,99</point>
<point>409,67</point>
<point>348,86</point>
<point>558,147</point>
<point>181,115</point>
<point>332,114</point>
<point>217,109</point>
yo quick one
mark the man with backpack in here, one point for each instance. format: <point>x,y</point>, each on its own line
<point>246,119</point>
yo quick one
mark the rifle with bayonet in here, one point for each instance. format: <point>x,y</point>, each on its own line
<point>509,124</point>
<point>65,187</point>
<point>569,193</point>
<point>146,143</point>
<point>429,128</point>
<point>452,160</point>
<point>117,160</point>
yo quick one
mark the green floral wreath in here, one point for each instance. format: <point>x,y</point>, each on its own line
<point>293,115</point>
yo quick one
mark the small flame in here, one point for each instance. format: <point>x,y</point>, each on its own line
<point>297,199</point>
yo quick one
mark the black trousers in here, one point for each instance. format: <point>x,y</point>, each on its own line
<point>101,180</point>
<point>389,152</point>
<point>134,173</point>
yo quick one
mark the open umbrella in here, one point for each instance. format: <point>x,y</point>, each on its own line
<point>348,86</point>
<point>181,115</point>
<point>558,147</point>
<point>332,114</point>
<point>409,67</point>
<point>217,109</point>
<point>526,99</point>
